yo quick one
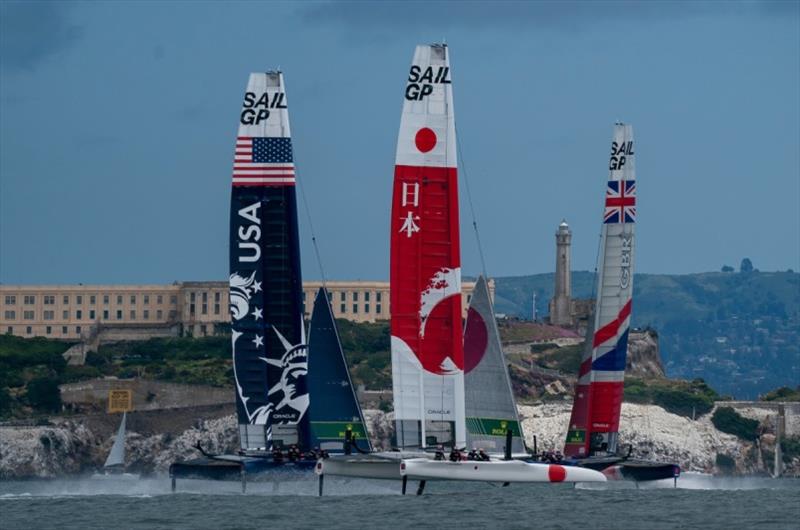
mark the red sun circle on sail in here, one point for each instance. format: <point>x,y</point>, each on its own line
<point>425,139</point>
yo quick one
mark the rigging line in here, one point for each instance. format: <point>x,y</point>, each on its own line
<point>307,208</point>
<point>469,200</point>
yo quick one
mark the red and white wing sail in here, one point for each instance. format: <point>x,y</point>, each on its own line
<point>427,349</point>
<point>598,394</point>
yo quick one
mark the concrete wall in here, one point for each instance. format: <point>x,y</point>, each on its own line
<point>147,394</point>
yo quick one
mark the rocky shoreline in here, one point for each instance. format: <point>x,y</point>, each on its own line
<point>70,446</point>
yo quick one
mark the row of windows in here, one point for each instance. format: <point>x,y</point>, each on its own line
<point>50,315</point>
<point>343,296</point>
<point>48,330</point>
<point>343,309</point>
<point>217,297</point>
<point>204,309</point>
<point>49,299</point>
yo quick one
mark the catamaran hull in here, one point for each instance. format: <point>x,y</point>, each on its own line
<point>359,467</point>
<point>498,471</point>
<point>635,470</point>
<point>233,467</point>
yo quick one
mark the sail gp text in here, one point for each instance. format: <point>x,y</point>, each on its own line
<point>256,108</point>
<point>620,154</point>
<point>420,82</point>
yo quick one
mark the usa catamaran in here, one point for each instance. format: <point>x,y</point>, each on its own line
<point>593,435</point>
<point>287,409</point>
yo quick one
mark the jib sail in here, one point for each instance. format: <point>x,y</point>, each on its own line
<point>334,409</point>
<point>491,410</point>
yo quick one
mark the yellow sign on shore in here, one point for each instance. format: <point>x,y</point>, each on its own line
<point>120,401</point>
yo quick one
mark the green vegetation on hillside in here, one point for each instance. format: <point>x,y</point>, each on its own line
<point>367,349</point>
<point>29,371</point>
<point>567,359</point>
<point>728,420</point>
<point>680,397</point>
<point>783,393</point>
<point>790,447</point>
<point>740,331</point>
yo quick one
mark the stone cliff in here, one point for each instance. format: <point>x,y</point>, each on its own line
<point>71,447</point>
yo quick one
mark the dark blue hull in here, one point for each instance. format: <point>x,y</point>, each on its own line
<point>233,467</point>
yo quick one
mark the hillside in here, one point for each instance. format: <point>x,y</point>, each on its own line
<point>738,331</point>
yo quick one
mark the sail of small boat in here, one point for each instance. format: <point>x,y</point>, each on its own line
<point>269,344</point>
<point>425,275</point>
<point>116,458</point>
<point>491,409</point>
<point>334,407</point>
<point>594,422</point>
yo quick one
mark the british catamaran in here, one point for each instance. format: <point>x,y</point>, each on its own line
<point>593,434</point>
<point>292,397</point>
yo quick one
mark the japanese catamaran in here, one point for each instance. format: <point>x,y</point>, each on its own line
<point>493,428</point>
<point>425,277</point>
<point>289,394</point>
<point>593,434</point>
<point>425,297</point>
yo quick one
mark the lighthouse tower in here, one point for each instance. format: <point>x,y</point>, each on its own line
<point>561,304</point>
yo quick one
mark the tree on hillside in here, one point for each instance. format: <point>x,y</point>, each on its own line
<point>746,266</point>
<point>44,395</point>
<point>727,268</point>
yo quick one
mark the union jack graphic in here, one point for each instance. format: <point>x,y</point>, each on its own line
<point>620,202</point>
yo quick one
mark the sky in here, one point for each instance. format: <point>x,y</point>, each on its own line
<point>118,119</point>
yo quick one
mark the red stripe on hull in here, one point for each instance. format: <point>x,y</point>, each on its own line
<point>424,247</point>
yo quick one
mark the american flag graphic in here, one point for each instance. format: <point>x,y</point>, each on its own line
<point>263,162</point>
<point>620,202</point>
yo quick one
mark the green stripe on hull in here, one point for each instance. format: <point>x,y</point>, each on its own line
<point>334,430</point>
<point>493,427</point>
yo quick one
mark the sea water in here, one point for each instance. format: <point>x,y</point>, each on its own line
<point>698,502</point>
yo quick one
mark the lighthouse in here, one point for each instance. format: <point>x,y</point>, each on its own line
<point>561,304</point>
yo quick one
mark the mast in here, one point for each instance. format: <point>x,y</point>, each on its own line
<point>491,409</point>
<point>594,424</point>
<point>269,347</point>
<point>425,276</point>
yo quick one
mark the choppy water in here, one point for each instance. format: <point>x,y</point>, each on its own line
<point>698,502</point>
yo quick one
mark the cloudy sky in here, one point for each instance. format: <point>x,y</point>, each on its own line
<point>117,123</point>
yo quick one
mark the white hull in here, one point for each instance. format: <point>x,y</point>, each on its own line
<point>496,471</point>
<point>115,476</point>
<point>385,465</point>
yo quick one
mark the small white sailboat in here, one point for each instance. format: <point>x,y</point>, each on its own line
<point>115,462</point>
